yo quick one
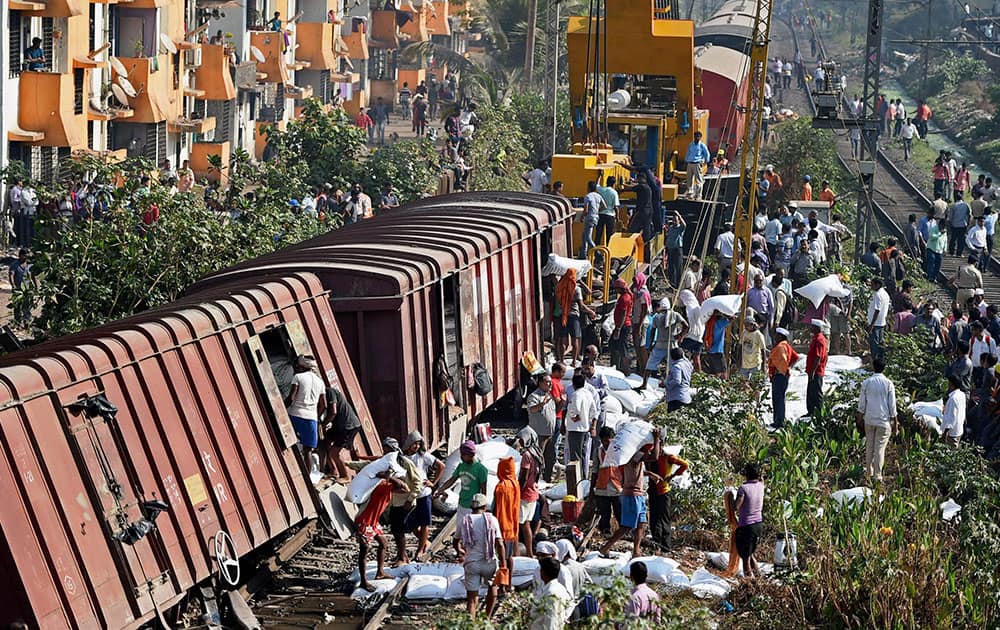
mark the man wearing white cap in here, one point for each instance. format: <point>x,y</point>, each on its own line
<point>816,357</point>
<point>483,547</point>
<point>548,549</point>
<point>979,301</point>
<point>306,402</point>
<point>779,368</point>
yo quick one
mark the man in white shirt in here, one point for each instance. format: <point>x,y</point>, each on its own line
<point>724,244</point>
<point>536,178</point>
<point>877,409</point>
<point>906,132</point>
<point>975,240</point>
<point>878,313</point>
<point>553,605</point>
<point>953,417</point>
<point>484,553</point>
<point>980,343</point>
<point>581,422</point>
<point>306,403</point>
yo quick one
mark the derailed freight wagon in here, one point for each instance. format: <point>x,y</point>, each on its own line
<point>448,281</point>
<point>138,455</point>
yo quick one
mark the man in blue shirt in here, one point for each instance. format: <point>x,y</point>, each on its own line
<point>678,382</point>
<point>697,157</point>
<point>607,216</point>
<point>35,55</point>
<point>675,248</point>
<point>715,351</point>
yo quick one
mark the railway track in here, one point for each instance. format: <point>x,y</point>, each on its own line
<point>896,196</point>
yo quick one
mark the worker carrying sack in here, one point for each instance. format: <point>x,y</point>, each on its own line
<point>481,381</point>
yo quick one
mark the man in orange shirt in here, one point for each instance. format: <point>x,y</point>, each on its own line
<point>773,180</point>
<point>807,189</point>
<point>827,194</point>
<point>779,367</point>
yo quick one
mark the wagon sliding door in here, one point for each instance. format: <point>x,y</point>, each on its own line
<point>270,356</point>
<point>114,488</point>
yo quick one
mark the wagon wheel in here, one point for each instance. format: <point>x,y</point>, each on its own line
<point>227,557</point>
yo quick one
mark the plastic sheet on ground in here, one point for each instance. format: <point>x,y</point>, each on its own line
<point>851,495</point>
<point>950,509</point>
<point>381,588</point>
<point>795,396</point>
<point>817,290</point>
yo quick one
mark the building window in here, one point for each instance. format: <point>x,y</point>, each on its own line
<point>78,85</point>
<point>15,29</point>
<point>48,25</point>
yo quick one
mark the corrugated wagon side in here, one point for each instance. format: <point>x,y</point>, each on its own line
<point>449,281</point>
<point>179,410</point>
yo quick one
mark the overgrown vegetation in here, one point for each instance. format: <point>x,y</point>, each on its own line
<point>802,150</point>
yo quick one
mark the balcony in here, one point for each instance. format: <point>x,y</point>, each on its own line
<point>271,45</point>
<point>437,21</point>
<point>47,110</point>
<point>52,8</point>
<point>185,124</point>
<point>213,76</point>
<point>201,152</point>
<point>316,45</point>
<point>383,32</point>
<point>156,99</point>
<point>299,93</point>
<point>357,45</point>
<point>415,29</point>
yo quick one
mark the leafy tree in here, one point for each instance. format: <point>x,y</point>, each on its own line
<point>802,150</point>
<point>498,151</point>
<point>529,111</point>
<point>92,271</point>
<point>327,143</point>
<point>410,166</point>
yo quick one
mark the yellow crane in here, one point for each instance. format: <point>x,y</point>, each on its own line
<point>746,203</point>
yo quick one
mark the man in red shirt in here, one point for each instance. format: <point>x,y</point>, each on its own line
<point>623,325</point>
<point>364,121</point>
<point>819,351</point>
<point>367,528</point>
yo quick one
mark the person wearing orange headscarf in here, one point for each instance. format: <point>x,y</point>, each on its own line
<point>566,317</point>
<point>507,509</point>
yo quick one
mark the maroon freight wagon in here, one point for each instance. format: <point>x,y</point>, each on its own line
<point>173,418</point>
<point>453,280</point>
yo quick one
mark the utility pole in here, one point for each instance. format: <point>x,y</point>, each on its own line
<point>529,42</point>
<point>926,56</point>
<point>550,81</point>
<point>870,126</point>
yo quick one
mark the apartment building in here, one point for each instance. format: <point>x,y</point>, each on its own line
<point>188,79</point>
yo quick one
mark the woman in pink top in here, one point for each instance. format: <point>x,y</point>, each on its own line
<point>749,518</point>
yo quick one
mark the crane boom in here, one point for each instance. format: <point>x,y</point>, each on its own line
<point>746,203</point>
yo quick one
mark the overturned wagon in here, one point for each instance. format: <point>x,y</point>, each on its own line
<point>173,417</point>
<point>424,293</point>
